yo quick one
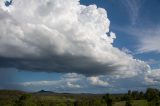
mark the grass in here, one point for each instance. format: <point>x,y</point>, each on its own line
<point>121,103</point>
<point>134,102</point>
<point>140,103</point>
<point>9,97</point>
<point>54,98</point>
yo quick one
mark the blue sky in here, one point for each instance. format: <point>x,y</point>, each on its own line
<point>59,47</point>
<point>120,15</point>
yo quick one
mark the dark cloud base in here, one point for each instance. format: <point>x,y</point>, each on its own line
<point>61,64</point>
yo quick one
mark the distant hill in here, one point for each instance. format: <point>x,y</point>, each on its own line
<point>43,91</point>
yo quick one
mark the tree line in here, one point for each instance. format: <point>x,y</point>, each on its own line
<point>151,95</point>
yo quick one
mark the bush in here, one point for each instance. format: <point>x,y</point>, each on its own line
<point>25,100</point>
<point>128,103</point>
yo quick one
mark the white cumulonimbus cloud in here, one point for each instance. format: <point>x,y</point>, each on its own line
<point>62,36</point>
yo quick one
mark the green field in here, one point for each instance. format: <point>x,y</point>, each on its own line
<point>45,98</point>
<point>134,102</point>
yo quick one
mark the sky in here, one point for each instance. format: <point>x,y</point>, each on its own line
<point>79,46</point>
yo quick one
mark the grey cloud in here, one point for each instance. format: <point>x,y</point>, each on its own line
<point>61,64</point>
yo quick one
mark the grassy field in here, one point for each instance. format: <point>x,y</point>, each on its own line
<point>134,102</point>
<point>19,98</point>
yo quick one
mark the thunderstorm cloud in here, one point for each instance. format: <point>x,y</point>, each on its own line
<point>62,36</point>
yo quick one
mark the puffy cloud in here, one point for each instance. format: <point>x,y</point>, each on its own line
<point>126,50</point>
<point>82,84</point>
<point>56,84</point>
<point>65,83</point>
<point>71,85</point>
<point>153,77</point>
<point>68,83</point>
<point>97,82</point>
<point>62,36</point>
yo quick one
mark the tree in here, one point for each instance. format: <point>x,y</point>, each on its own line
<point>135,95</point>
<point>108,100</point>
<point>152,94</point>
<point>129,92</point>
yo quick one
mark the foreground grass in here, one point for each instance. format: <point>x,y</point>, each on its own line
<point>140,103</point>
<point>134,102</point>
